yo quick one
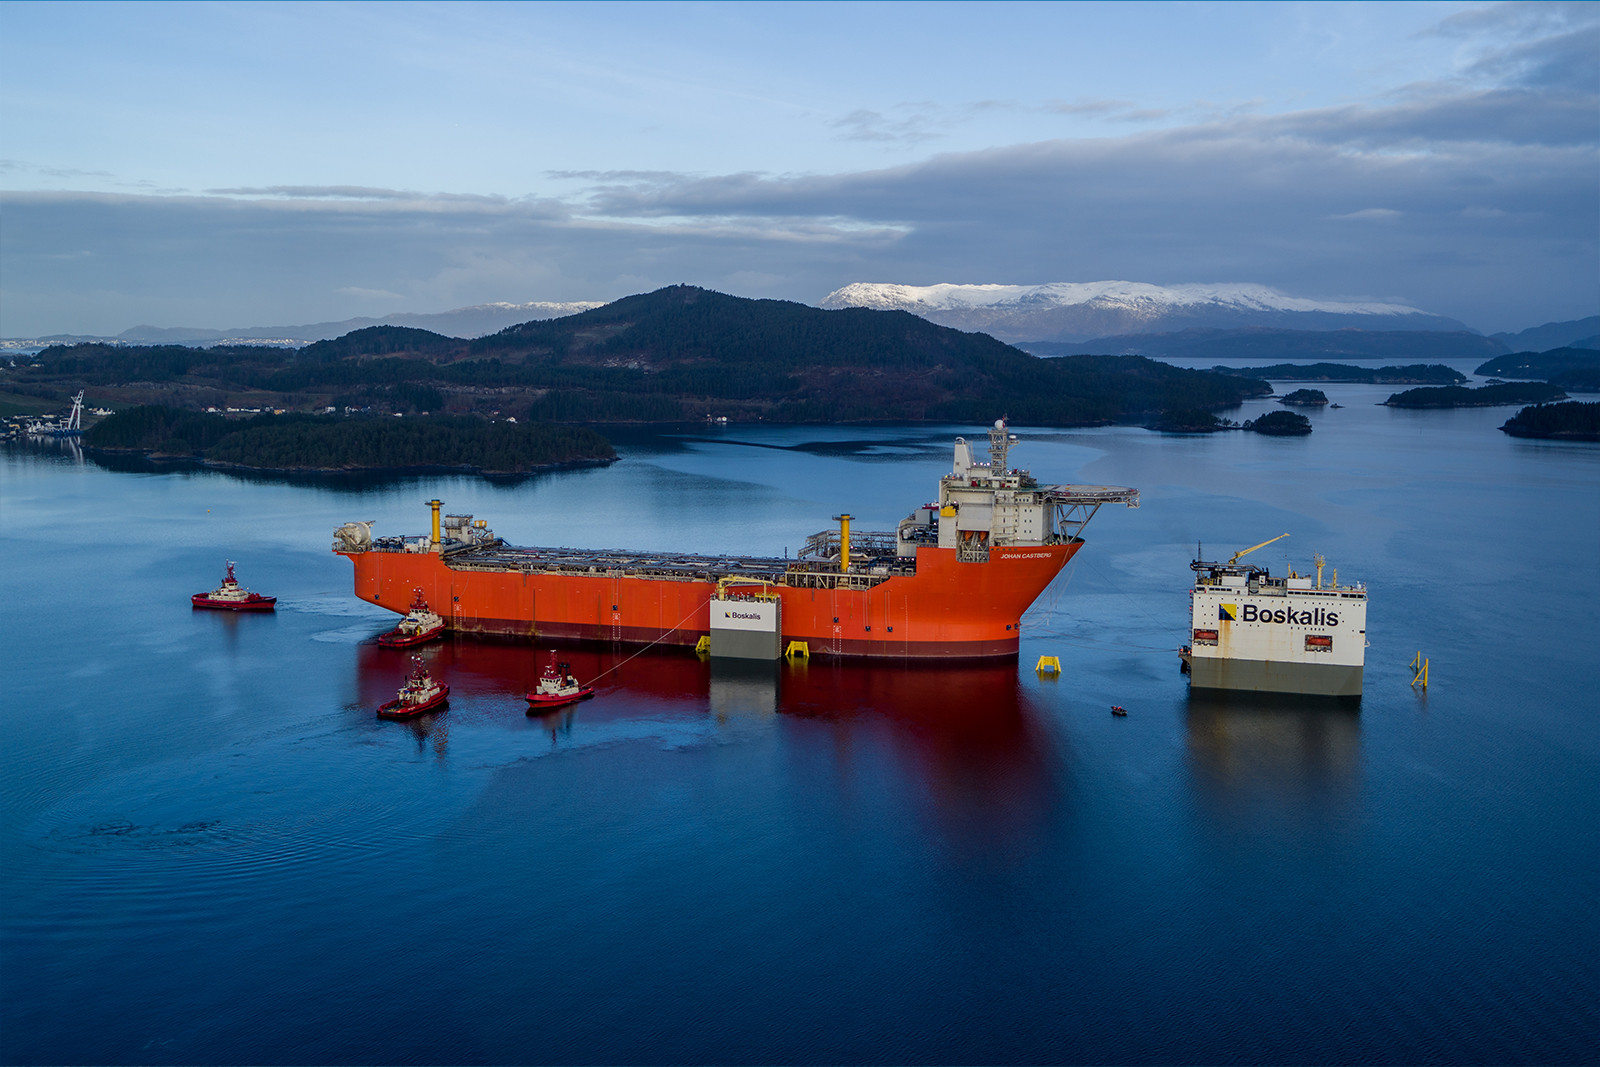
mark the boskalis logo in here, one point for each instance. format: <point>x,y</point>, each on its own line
<point>1252,613</point>
<point>741,615</point>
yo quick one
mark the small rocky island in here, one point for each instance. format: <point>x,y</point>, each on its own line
<point>1488,396</point>
<point>1189,420</point>
<point>1571,421</point>
<point>1305,398</point>
<point>1197,420</point>
<point>1280,424</point>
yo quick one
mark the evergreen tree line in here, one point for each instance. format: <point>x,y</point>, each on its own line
<point>291,442</point>
<point>1572,421</point>
<point>1459,396</point>
<point>103,364</point>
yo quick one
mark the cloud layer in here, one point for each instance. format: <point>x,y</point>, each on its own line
<point>1476,198</point>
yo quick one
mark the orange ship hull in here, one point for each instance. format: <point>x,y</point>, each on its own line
<point>945,609</point>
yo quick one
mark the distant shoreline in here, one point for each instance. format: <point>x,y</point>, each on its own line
<point>169,460</point>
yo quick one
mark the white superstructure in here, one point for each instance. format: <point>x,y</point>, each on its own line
<point>1296,634</point>
<point>984,505</point>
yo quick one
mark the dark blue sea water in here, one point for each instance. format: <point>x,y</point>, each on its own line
<point>213,852</point>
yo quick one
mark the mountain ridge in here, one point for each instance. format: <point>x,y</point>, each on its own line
<point>679,353</point>
<point>1261,342</point>
<point>1574,333</point>
<point>1072,312</point>
<point>476,320</point>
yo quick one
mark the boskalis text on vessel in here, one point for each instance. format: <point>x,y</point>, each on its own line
<point>1281,635</point>
<point>953,579</point>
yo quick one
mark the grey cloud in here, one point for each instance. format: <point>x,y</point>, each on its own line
<point>1322,154</point>
<point>18,166</point>
<point>616,175</point>
<point>1143,115</point>
<point>1508,117</point>
<point>921,124</point>
<point>1497,247</point>
<point>1487,195</point>
<point>318,192</point>
<point>1481,204</point>
<point>1088,107</point>
<point>1370,213</point>
<point>1122,111</point>
<point>1569,60</point>
<point>1537,45</point>
<point>356,196</point>
<point>1516,19</point>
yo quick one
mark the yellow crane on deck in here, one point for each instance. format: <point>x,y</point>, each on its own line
<point>1252,548</point>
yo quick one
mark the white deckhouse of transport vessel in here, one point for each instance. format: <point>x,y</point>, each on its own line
<point>1296,634</point>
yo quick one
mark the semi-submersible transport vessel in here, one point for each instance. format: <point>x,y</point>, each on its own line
<point>1293,634</point>
<point>952,580</point>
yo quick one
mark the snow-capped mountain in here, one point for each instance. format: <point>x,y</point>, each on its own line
<point>1081,311</point>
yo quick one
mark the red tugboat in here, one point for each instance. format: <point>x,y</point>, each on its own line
<point>420,693</point>
<point>557,688</point>
<point>420,624</point>
<point>230,597</point>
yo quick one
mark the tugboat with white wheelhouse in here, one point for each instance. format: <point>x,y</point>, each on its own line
<point>421,692</point>
<point>421,624</point>
<point>230,596</point>
<point>556,689</point>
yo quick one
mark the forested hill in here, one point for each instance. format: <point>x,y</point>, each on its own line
<point>686,353</point>
<point>781,360</point>
<point>684,324</point>
<point>382,341</point>
<point>1576,370</point>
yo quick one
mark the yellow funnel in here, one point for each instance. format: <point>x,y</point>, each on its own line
<point>436,505</point>
<point>844,541</point>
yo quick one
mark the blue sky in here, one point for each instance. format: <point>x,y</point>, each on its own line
<point>243,164</point>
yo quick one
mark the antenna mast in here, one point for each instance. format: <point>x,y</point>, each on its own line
<point>1000,441</point>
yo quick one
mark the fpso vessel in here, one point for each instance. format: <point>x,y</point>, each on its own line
<point>953,580</point>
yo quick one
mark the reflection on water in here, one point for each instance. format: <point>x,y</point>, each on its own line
<point>960,721</point>
<point>744,689</point>
<point>431,730</point>
<point>1274,758</point>
<point>966,749</point>
<point>490,673</point>
<point>559,722</point>
<point>68,449</point>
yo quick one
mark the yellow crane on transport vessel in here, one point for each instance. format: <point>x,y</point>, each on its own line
<point>1252,548</point>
